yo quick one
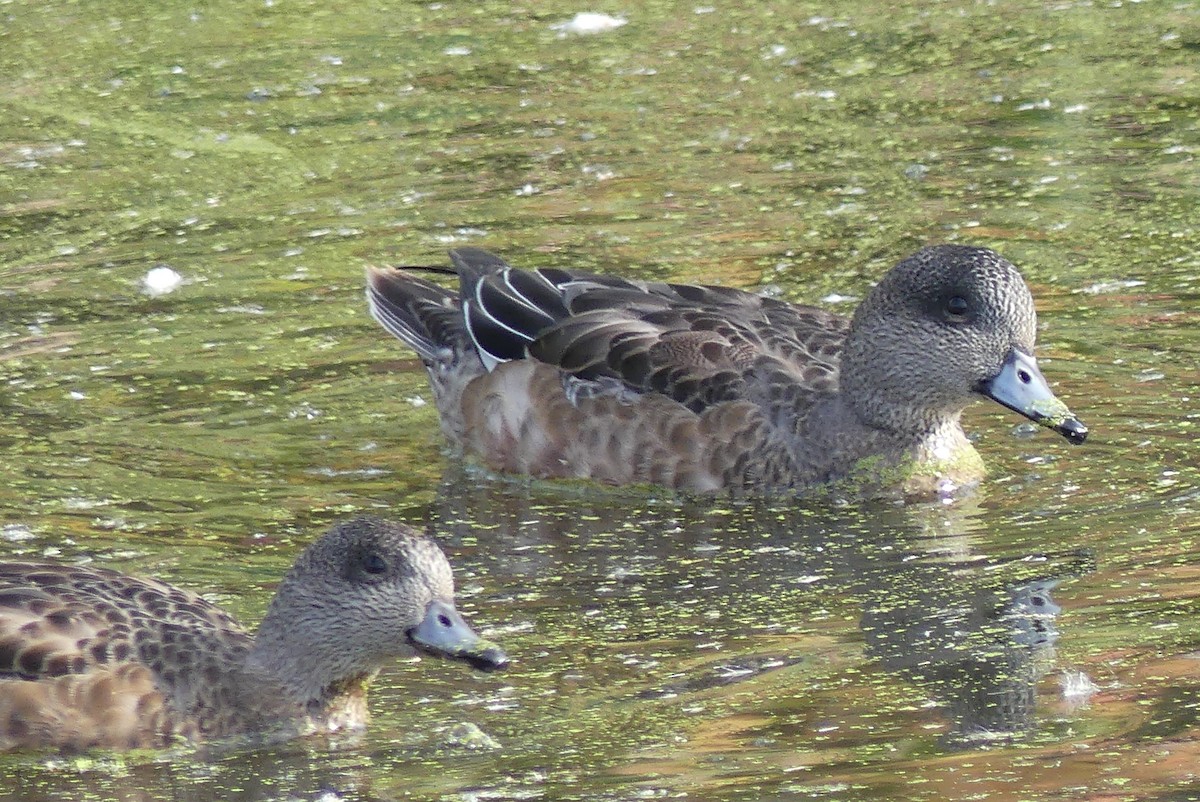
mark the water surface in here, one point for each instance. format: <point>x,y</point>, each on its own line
<point>1037,641</point>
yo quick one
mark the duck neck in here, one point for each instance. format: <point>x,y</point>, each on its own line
<point>837,431</point>
<point>342,705</point>
<point>885,397</point>
<point>914,461</point>
<point>309,682</point>
<point>916,427</point>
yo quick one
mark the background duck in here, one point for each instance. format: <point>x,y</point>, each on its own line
<point>93,658</point>
<point>559,373</point>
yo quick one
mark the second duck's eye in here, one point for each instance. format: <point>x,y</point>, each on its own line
<point>372,563</point>
<point>956,306</point>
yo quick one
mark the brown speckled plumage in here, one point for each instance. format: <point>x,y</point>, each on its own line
<point>558,373</point>
<point>90,657</point>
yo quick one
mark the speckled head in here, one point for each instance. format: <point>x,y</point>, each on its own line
<point>367,592</point>
<point>945,324</point>
<point>370,554</point>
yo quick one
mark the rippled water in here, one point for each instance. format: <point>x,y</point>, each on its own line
<point>1037,641</point>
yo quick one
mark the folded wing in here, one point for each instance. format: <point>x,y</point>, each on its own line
<point>698,345</point>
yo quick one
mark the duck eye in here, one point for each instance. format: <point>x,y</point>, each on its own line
<point>372,563</point>
<point>956,306</point>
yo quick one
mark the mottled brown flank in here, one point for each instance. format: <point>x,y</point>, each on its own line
<point>556,373</point>
<point>67,636</point>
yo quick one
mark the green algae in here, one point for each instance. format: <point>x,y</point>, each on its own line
<point>269,151</point>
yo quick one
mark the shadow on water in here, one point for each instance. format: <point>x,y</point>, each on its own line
<point>670,603</point>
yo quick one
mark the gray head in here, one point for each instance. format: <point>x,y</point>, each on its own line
<point>947,324</point>
<point>366,593</point>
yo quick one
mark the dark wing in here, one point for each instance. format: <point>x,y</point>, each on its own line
<point>698,345</point>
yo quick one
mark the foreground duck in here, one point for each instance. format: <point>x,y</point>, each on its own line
<point>93,658</point>
<point>558,373</point>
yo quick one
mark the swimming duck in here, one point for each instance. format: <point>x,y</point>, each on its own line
<point>561,373</point>
<point>93,658</point>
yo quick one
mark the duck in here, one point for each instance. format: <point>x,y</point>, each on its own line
<point>94,658</point>
<point>567,374</point>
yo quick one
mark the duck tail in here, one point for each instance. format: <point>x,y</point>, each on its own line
<point>426,317</point>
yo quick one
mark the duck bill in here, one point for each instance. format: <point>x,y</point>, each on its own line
<point>443,632</point>
<point>1021,387</point>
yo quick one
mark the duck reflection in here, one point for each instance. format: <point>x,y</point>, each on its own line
<point>687,595</point>
<point>980,651</point>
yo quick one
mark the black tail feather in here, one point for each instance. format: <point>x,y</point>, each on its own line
<point>426,317</point>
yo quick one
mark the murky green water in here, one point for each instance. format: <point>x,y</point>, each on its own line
<point>665,649</point>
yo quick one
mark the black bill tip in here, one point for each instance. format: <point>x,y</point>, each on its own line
<point>1073,429</point>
